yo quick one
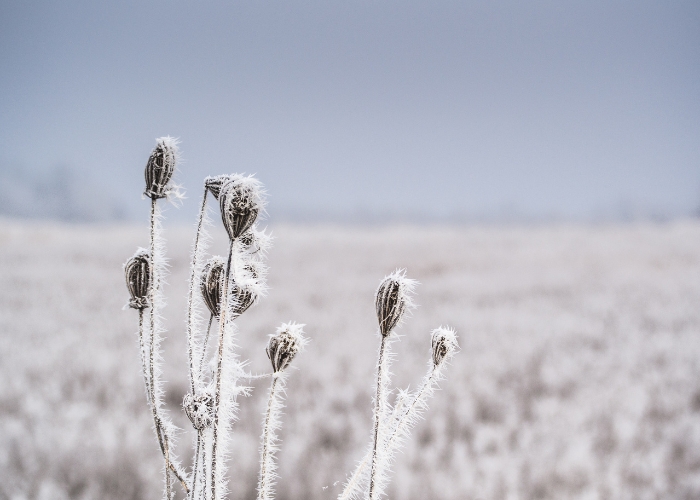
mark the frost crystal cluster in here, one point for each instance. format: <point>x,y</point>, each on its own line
<point>220,290</point>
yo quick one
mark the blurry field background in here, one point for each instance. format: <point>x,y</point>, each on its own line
<point>578,376</point>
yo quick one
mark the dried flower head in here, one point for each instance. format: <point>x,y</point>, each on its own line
<point>160,167</point>
<point>246,290</point>
<point>241,200</point>
<point>444,344</point>
<point>393,299</point>
<point>287,341</point>
<point>137,271</point>
<point>199,409</point>
<point>212,283</point>
<point>214,183</point>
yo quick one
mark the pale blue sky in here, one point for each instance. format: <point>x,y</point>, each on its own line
<point>358,110</point>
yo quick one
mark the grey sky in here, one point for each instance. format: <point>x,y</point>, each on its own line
<point>410,110</point>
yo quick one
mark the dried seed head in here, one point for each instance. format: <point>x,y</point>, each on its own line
<point>246,290</point>
<point>214,183</point>
<point>255,241</point>
<point>241,200</point>
<point>393,299</point>
<point>287,341</point>
<point>212,283</point>
<point>160,167</point>
<point>444,343</point>
<point>199,409</point>
<point>137,271</point>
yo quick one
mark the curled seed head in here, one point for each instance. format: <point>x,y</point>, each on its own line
<point>199,409</point>
<point>287,341</point>
<point>137,271</point>
<point>160,167</point>
<point>444,344</point>
<point>240,200</point>
<point>214,183</point>
<point>212,284</point>
<point>393,299</point>
<point>255,241</point>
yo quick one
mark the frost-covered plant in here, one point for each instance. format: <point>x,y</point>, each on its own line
<point>223,289</point>
<point>393,425</point>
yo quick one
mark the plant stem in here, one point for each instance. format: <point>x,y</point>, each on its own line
<point>220,356</point>
<point>152,293</point>
<point>204,348</point>
<point>378,411</point>
<point>193,488</point>
<point>190,295</point>
<point>267,436</point>
<point>142,347</point>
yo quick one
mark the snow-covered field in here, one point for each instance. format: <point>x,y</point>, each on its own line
<point>579,375</point>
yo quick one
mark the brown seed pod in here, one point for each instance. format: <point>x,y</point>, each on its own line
<point>137,272</point>
<point>240,200</point>
<point>284,345</point>
<point>212,283</point>
<point>393,300</point>
<point>444,344</point>
<point>160,167</point>
<point>199,409</point>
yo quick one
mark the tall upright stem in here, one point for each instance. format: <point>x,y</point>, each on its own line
<point>267,436</point>
<point>152,295</point>
<point>378,411</point>
<point>190,295</point>
<point>220,355</point>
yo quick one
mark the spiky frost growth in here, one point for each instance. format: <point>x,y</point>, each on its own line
<point>393,300</point>
<point>247,287</point>
<point>212,283</point>
<point>282,347</point>
<point>241,199</point>
<point>255,242</point>
<point>137,271</point>
<point>160,167</point>
<point>408,409</point>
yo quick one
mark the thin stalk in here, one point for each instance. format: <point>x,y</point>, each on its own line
<point>220,357</point>
<point>378,412</point>
<point>204,348</point>
<point>190,295</point>
<point>265,471</point>
<point>196,464</point>
<point>142,347</point>
<point>152,293</point>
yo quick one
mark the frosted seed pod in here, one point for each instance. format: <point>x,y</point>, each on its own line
<point>284,345</point>
<point>240,200</point>
<point>393,300</point>
<point>444,344</point>
<point>160,167</point>
<point>214,183</point>
<point>199,409</point>
<point>244,297</point>
<point>212,283</point>
<point>137,272</point>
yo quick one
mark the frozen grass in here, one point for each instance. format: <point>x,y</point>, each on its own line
<point>578,377</point>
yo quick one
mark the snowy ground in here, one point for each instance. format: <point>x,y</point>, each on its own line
<point>579,375</point>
